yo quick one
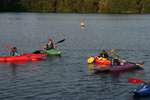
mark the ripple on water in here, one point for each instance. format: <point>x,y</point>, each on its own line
<point>68,77</point>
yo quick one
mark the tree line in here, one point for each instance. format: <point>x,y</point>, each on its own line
<point>76,6</point>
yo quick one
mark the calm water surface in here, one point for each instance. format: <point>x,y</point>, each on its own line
<point>69,77</point>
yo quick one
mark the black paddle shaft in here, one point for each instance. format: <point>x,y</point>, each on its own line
<point>60,41</point>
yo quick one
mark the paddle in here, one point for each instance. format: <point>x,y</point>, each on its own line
<point>112,51</point>
<point>141,64</point>
<point>135,80</point>
<point>8,47</point>
<point>60,41</point>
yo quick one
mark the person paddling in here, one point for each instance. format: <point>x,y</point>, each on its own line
<point>114,57</point>
<point>50,45</point>
<point>14,52</point>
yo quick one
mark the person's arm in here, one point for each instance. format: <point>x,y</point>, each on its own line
<point>54,45</point>
<point>45,46</point>
<point>11,54</point>
<point>16,54</point>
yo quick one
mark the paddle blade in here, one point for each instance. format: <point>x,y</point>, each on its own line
<point>90,60</point>
<point>141,64</point>
<point>8,47</point>
<point>61,41</point>
<point>135,80</point>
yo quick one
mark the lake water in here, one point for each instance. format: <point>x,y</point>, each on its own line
<point>69,77</point>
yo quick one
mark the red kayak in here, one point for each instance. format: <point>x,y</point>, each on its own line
<point>34,56</point>
<point>24,57</point>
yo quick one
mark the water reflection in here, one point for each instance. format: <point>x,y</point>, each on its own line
<point>14,67</point>
<point>125,33</point>
<point>90,67</point>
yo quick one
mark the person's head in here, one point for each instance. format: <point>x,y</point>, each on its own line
<point>102,50</point>
<point>14,49</point>
<point>50,40</point>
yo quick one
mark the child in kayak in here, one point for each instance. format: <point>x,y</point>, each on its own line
<point>103,54</point>
<point>49,45</point>
<point>14,52</point>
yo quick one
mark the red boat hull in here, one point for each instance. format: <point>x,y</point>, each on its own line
<point>24,57</point>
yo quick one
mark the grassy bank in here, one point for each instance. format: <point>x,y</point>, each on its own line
<point>76,6</point>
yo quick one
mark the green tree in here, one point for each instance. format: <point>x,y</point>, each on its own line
<point>77,6</point>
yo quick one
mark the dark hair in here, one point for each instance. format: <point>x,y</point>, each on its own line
<point>14,48</point>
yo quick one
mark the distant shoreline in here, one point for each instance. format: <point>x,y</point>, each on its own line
<point>71,12</point>
<point>68,12</point>
<point>77,6</point>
